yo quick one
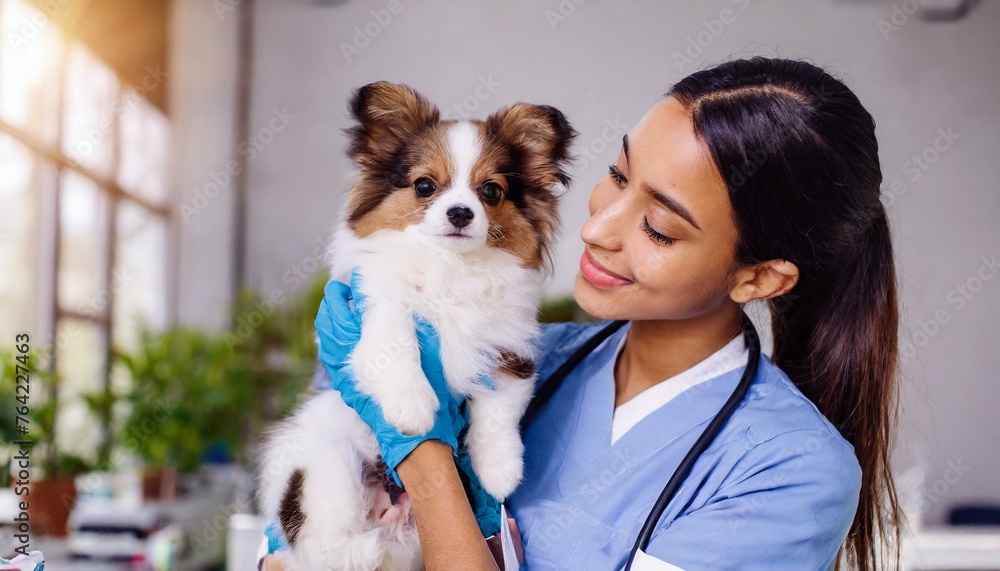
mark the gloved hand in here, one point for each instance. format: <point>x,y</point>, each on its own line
<point>338,327</point>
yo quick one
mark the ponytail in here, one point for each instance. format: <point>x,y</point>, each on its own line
<point>838,343</point>
<point>808,192</point>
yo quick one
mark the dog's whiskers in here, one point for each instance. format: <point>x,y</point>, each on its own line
<point>412,212</point>
<point>496,233</point>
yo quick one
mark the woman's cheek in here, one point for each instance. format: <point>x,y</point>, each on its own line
<point>652,267</point>
<point>675,282</point>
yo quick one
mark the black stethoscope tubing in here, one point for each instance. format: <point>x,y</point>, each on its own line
<point>549,386</point>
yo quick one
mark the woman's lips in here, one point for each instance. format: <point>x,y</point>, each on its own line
<point>598,275</point>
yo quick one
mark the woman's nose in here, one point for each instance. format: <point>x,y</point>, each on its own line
<point>605,227</point>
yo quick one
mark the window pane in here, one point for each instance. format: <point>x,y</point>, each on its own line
<point>89,122</point>
<point>26,185</point>
<point>144,137</point>
<point>83,215</point>
<point>80,356</point>
<point>139,277</point>
<point>29,64</point>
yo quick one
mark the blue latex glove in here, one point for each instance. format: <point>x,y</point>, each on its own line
<point>338,327</point>
<point>275,537</point>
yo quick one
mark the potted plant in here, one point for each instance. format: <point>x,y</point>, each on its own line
<point>52,496</point>
<point>194,394</point>
<point>50,488</point>
<point>178,403</point>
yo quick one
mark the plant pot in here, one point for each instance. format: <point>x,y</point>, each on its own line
<point>50,503</point>
<point>159,484</point>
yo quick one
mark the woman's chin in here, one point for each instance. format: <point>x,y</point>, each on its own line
<point>600,303</point>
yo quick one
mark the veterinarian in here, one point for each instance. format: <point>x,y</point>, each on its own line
<point>753,180</point>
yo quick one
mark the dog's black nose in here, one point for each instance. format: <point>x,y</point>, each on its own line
<point>460,215</point>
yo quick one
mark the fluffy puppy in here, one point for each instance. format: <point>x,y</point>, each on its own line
<point>451,221</point>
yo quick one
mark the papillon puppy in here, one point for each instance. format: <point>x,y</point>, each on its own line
<point>451,221</point>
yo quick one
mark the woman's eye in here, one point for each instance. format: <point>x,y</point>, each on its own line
<point>617,175</point>
<point>424,186</point>
<point>491,192</point>
<point>665,240</point>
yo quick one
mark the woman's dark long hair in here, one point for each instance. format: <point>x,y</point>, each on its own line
<point>798,153</point>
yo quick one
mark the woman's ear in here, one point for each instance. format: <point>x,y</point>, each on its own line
<point>765,280</point>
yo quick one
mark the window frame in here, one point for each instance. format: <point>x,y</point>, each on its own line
<point>49,226</point>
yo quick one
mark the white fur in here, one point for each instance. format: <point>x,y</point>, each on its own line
<point>480,300</point>
<point>328,440</point>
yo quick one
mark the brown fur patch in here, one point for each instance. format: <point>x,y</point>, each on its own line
<point>392,121</point>
<point>431,157</point>
<point>290,514</point>
<point>528,145</point>
<point>387,114</point>
<point>378,201</point>
<point>510,230</point>
<point>516,366</point>
<point>399,210</point>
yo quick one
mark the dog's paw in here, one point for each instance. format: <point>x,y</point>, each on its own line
<point>412,410</point>
<point>499,472</point>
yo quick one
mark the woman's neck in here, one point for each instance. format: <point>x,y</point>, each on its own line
<point>657,350</point>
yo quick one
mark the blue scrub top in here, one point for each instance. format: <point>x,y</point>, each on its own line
<point>777,489</point>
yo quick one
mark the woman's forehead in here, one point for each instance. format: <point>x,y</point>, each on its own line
<point>665,151</point>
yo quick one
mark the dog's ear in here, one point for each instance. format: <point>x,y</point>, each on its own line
<point>387,115</point>
<point>539,138</point>
<point>542,133</point>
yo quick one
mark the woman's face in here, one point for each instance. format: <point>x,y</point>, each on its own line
<point>660,226</point>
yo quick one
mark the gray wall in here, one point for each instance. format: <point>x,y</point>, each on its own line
<point>202,106</point>
<point>604,64</point>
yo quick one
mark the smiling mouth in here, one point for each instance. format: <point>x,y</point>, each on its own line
<point>599,275</point>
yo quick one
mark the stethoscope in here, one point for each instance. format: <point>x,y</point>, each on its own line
<point>550,385</point>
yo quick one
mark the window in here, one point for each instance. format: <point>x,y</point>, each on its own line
<point>83,190</point>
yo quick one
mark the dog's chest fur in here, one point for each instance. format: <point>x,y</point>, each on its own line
<point>482,303</point>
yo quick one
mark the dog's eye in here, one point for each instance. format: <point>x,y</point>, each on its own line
<point>492,192</point>
<point>424,186</point>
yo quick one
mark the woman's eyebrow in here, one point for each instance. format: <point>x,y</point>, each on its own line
<point>674,206</point>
